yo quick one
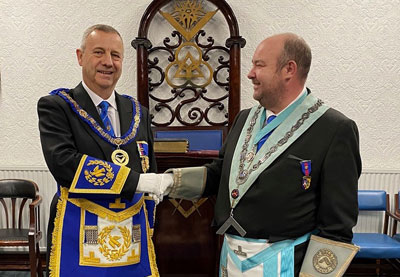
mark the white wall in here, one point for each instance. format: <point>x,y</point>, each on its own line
<point>355,44</point>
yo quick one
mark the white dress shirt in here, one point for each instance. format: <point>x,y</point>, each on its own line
<point>112,110</point>
<point>269,113</point>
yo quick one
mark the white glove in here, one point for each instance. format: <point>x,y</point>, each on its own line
<point>157,184</point>
<point>157,198</point>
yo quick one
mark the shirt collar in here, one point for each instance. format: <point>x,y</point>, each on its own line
<point>269,113</point>
<point>97,99</point>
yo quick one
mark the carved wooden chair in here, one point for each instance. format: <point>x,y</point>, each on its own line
<point>14,194</point>
<point>189,80</point>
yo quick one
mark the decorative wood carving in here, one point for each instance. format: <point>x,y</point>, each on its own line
<point>189,73</point>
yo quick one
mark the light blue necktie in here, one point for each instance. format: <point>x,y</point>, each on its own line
<point>264,138</point>
<point>104,116</point>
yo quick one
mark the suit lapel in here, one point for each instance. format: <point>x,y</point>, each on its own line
<point>83,99</point>
<point>124,111</point>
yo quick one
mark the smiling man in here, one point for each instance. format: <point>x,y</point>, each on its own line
<point>286,177</point>
<point>101,55</point>
<point>98,145</point>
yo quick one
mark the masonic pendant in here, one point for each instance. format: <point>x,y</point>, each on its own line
<point>120,157</point>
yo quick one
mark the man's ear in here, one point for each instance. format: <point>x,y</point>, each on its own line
<point>79,54</point>
<point>290,70</point>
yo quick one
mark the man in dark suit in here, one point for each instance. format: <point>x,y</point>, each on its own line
<point>98,145</point>
<point>288,171</point>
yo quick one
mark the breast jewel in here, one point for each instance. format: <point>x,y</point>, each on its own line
<point>118,156</point>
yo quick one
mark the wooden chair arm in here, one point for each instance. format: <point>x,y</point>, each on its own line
<point>34,217</point>
<point>36,201</point>
<point>394,225</point>
<point>394,216</point>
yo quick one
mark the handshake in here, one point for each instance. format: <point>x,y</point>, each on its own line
<point>156,185</point>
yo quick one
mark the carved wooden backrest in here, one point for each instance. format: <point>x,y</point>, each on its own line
<point>189,81</point>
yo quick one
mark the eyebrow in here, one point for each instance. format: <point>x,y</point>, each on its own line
<point>103,49</point>
<point>258,62</point>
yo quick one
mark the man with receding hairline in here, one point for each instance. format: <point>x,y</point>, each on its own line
<point>286,177</point>
<point>98,145</point>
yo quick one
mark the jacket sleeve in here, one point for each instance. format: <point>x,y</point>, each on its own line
<point>338,207</point>
<point>56,137</point>
<point>201,181</point>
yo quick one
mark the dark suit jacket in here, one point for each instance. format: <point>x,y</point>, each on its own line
<point>276,207</point>
<point>65,138</point>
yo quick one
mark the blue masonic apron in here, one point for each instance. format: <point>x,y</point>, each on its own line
<point>103,237</point>
<point>96,233</point>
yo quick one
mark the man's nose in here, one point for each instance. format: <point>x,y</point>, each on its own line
<point>251,74</point>
<point>107,59</point>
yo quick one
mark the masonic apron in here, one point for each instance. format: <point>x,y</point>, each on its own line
<point>96,233</point>
<point>242,256</point>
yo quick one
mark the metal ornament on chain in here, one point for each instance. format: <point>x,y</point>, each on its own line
<point>249,157</point>
<point>245,173</point>
<point>120,157</point>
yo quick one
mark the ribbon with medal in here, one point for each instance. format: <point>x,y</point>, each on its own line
<point>118,156</point>
<point>143,149</point>
<point>306,169</point>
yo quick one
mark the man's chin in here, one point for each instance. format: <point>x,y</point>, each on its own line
<point>105,84</point>
<point>256,96</point>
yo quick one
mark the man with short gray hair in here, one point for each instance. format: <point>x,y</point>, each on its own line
<point>98,145</point>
